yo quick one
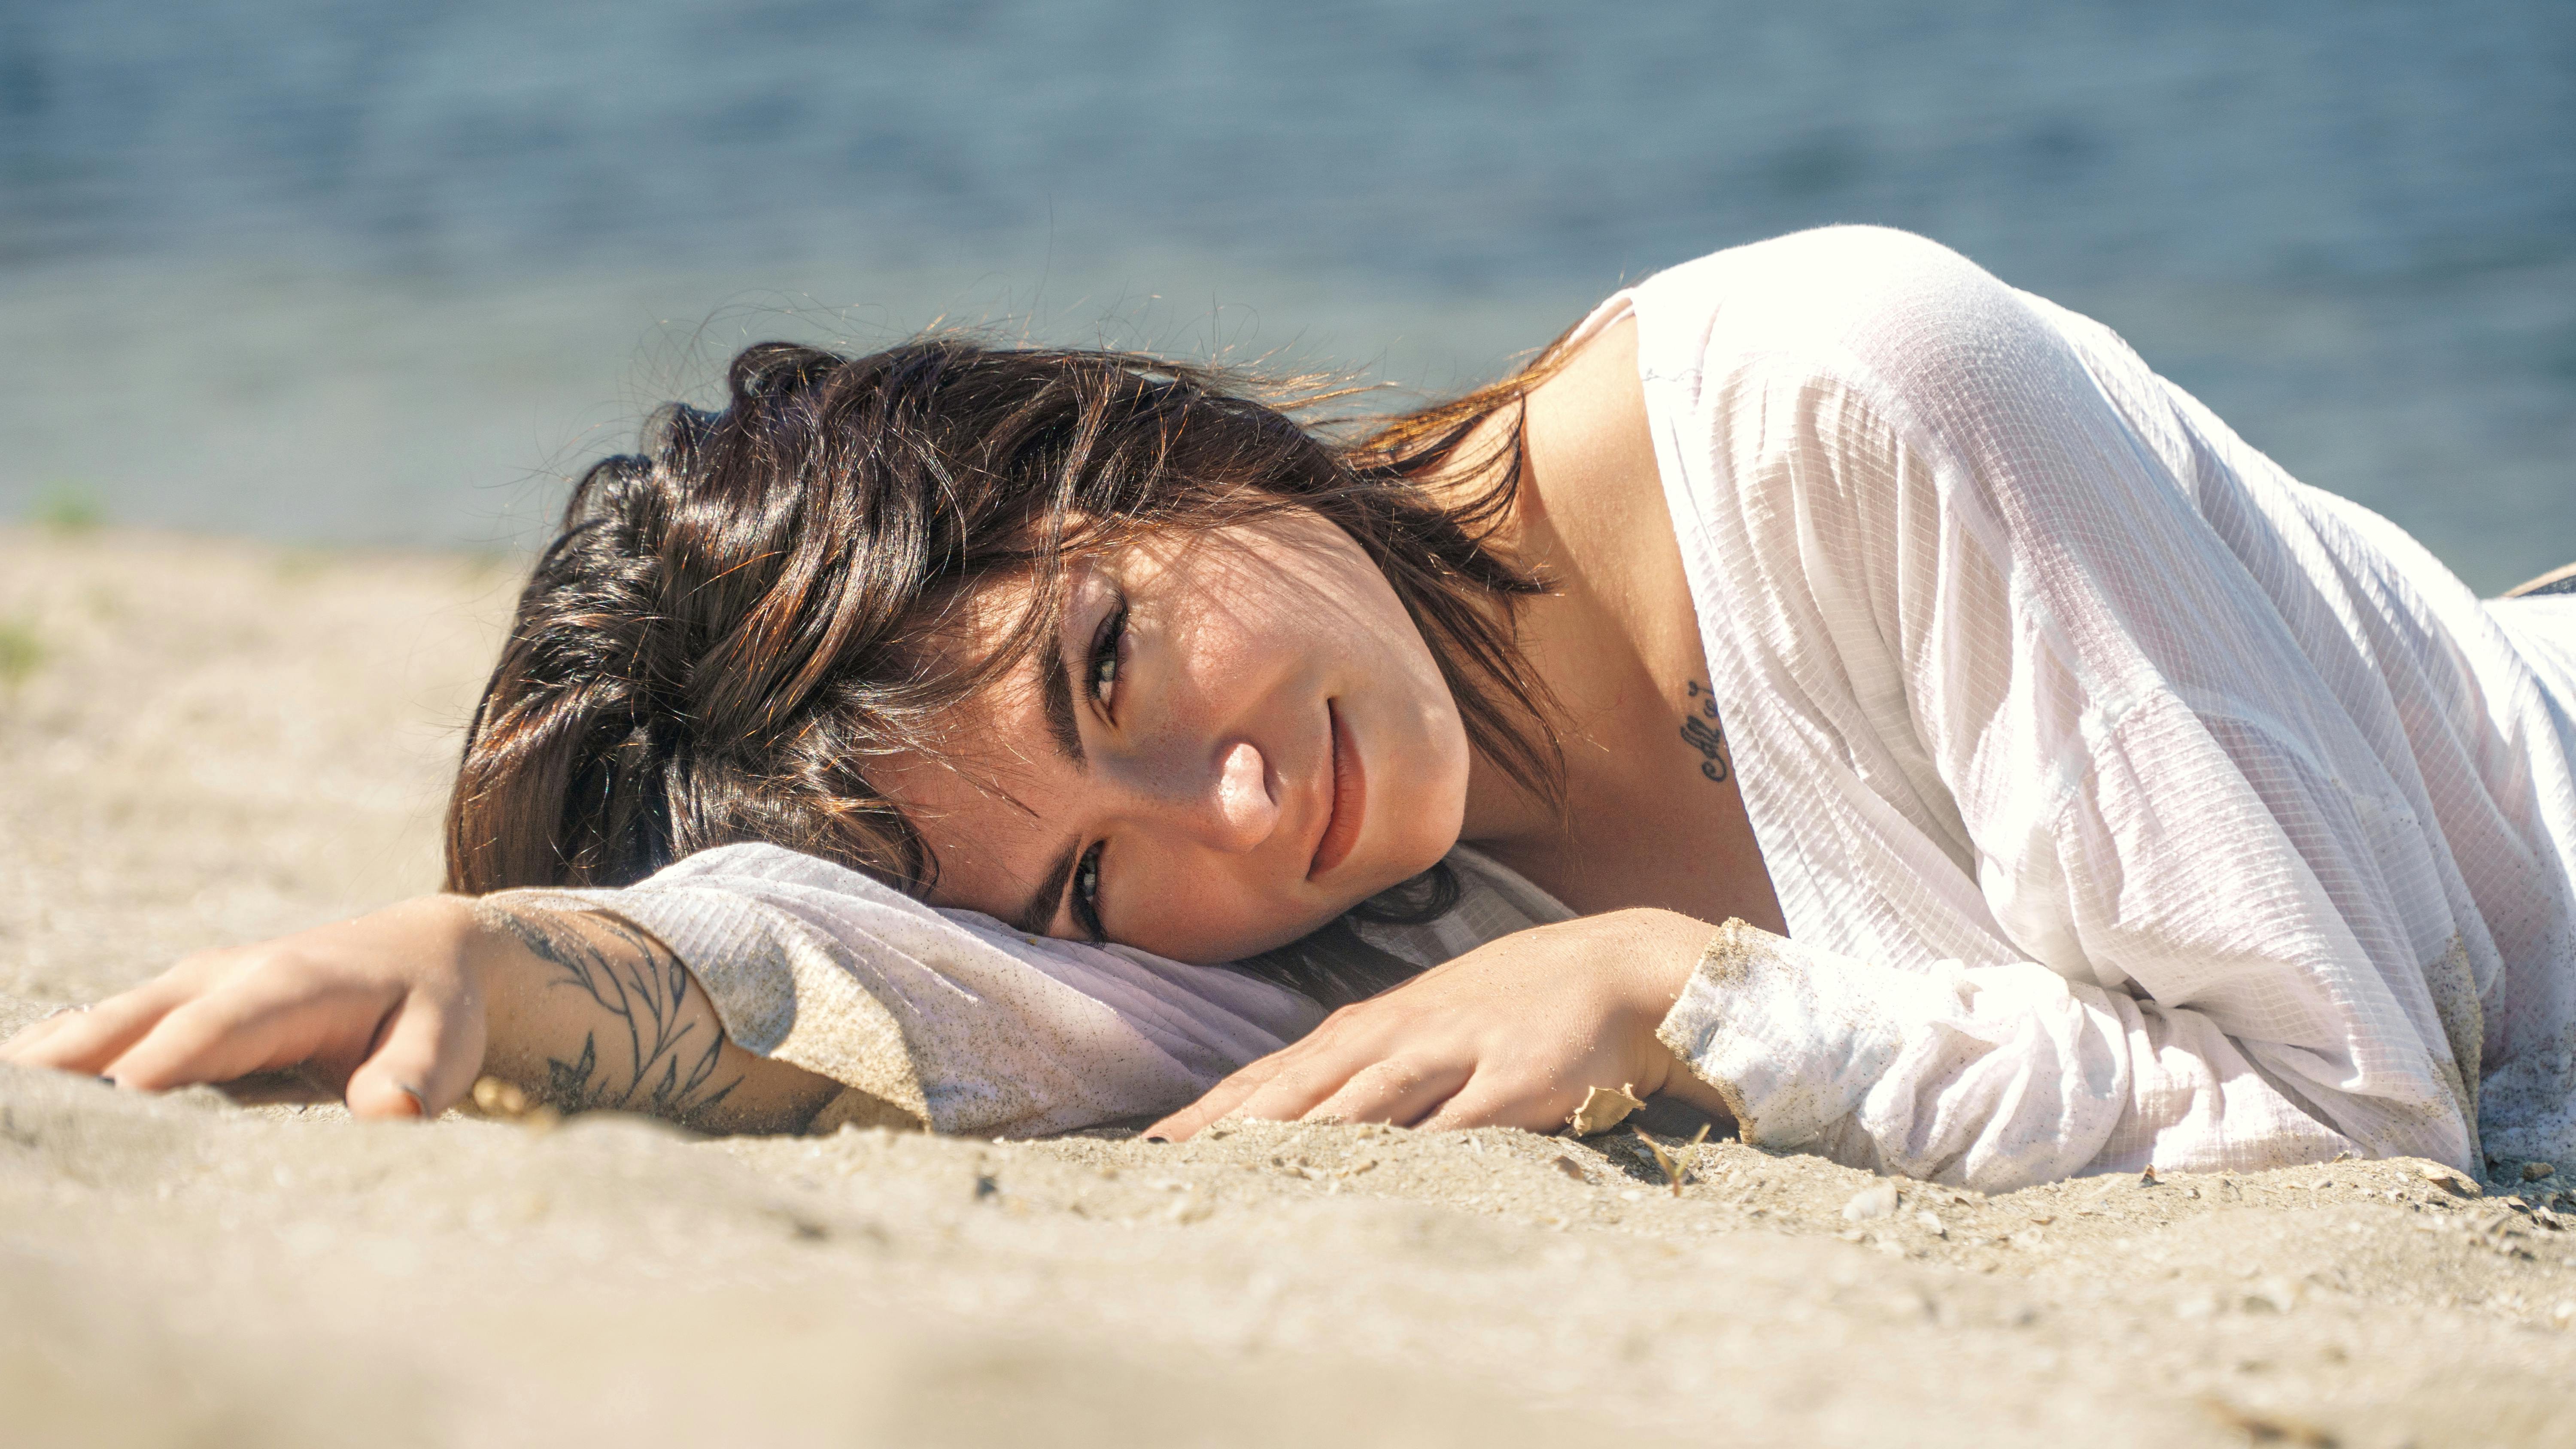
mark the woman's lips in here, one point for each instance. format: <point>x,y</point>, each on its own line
<point>1349,799</point>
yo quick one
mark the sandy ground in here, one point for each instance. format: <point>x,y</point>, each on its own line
<point>203,742</point>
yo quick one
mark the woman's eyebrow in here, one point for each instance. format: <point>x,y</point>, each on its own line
<point>1038,916</point>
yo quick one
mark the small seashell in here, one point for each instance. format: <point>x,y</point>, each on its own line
<point>1877,1200</point>
<point>1570,1168</point>
<point>2564,1314</point>
<point>2451,1179</point>
<point>1931,1222</point>
<point>1603,1108</point>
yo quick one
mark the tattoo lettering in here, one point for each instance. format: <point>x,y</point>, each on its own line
<point>669,1066</point>
<point>1704,732</point>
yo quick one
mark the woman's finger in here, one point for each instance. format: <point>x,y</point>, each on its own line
<point>248,1026</point>
<point>1399,1089</point>
<point>425,1063</point>
<point>1220,1099</point>
<point>26,1038</point>
<point>301,1086</point>
<point>1303,1084</point>
<point>88,1039</point>
<point>1488,1100</point>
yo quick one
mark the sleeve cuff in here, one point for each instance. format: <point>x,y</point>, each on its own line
<point>1793,1038</point>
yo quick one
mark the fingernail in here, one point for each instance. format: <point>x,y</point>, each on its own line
<point>1153,1137</point>
<point>419,1104</point>
<point>111,1081</point>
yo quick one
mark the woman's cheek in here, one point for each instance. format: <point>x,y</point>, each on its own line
<point>1248,930</point>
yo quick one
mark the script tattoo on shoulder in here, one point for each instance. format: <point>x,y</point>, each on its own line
<point>1703,731</point>
<point>668,1066</point>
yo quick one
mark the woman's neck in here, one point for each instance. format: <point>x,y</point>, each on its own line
<point>1652,814</point>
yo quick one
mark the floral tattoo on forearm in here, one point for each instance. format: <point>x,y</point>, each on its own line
<point>1703,731</point>
<point>669,1066</point>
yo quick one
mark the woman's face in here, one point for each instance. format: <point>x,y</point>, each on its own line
<point>1239,735</point>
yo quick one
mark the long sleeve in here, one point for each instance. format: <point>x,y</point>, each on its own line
<point>954,1021</point>
<point>2102,827</point>
<point>948,1020</point>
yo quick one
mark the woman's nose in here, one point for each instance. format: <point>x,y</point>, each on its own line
<point>1242,813</point>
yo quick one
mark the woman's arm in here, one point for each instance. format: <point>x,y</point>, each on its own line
<point>401,1010</point>
<point>593,1014</point>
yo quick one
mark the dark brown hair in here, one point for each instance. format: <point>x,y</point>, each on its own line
<point>726,635</point>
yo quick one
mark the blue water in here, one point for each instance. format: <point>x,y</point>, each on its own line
<point>348,271</point>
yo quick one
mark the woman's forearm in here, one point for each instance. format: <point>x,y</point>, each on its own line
<point>588,1013</point>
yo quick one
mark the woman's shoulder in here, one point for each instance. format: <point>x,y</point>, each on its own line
<point>1836,294</point>
<point>1830,269</point>
<point>1879,315</point>
<point>1897,324</point>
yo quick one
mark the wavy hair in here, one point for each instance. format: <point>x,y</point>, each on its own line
<point>723,640</point>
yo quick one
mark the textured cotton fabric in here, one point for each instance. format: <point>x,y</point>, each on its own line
<point>2128,801</point>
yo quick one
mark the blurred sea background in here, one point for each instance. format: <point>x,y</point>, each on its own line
<point>341,272</point>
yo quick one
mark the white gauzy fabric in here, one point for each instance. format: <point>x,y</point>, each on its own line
<point>2129,802</point>
<point>957,1022</point>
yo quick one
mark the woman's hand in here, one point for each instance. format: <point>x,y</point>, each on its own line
<point>398,1012</point>
<point>1512,1034</point>
<point>387,1010</point>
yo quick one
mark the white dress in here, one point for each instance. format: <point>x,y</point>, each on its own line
<point>2128,802</point>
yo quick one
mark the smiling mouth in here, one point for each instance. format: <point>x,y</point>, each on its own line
<point>1350,799</point>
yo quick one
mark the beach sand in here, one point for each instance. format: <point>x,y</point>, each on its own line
<point>206,742</point>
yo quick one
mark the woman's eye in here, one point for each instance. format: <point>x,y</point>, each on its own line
<point>1104,654</point>
<point>1086,893</point>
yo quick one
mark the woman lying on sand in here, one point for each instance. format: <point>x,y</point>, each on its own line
<point>2122,801</point>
